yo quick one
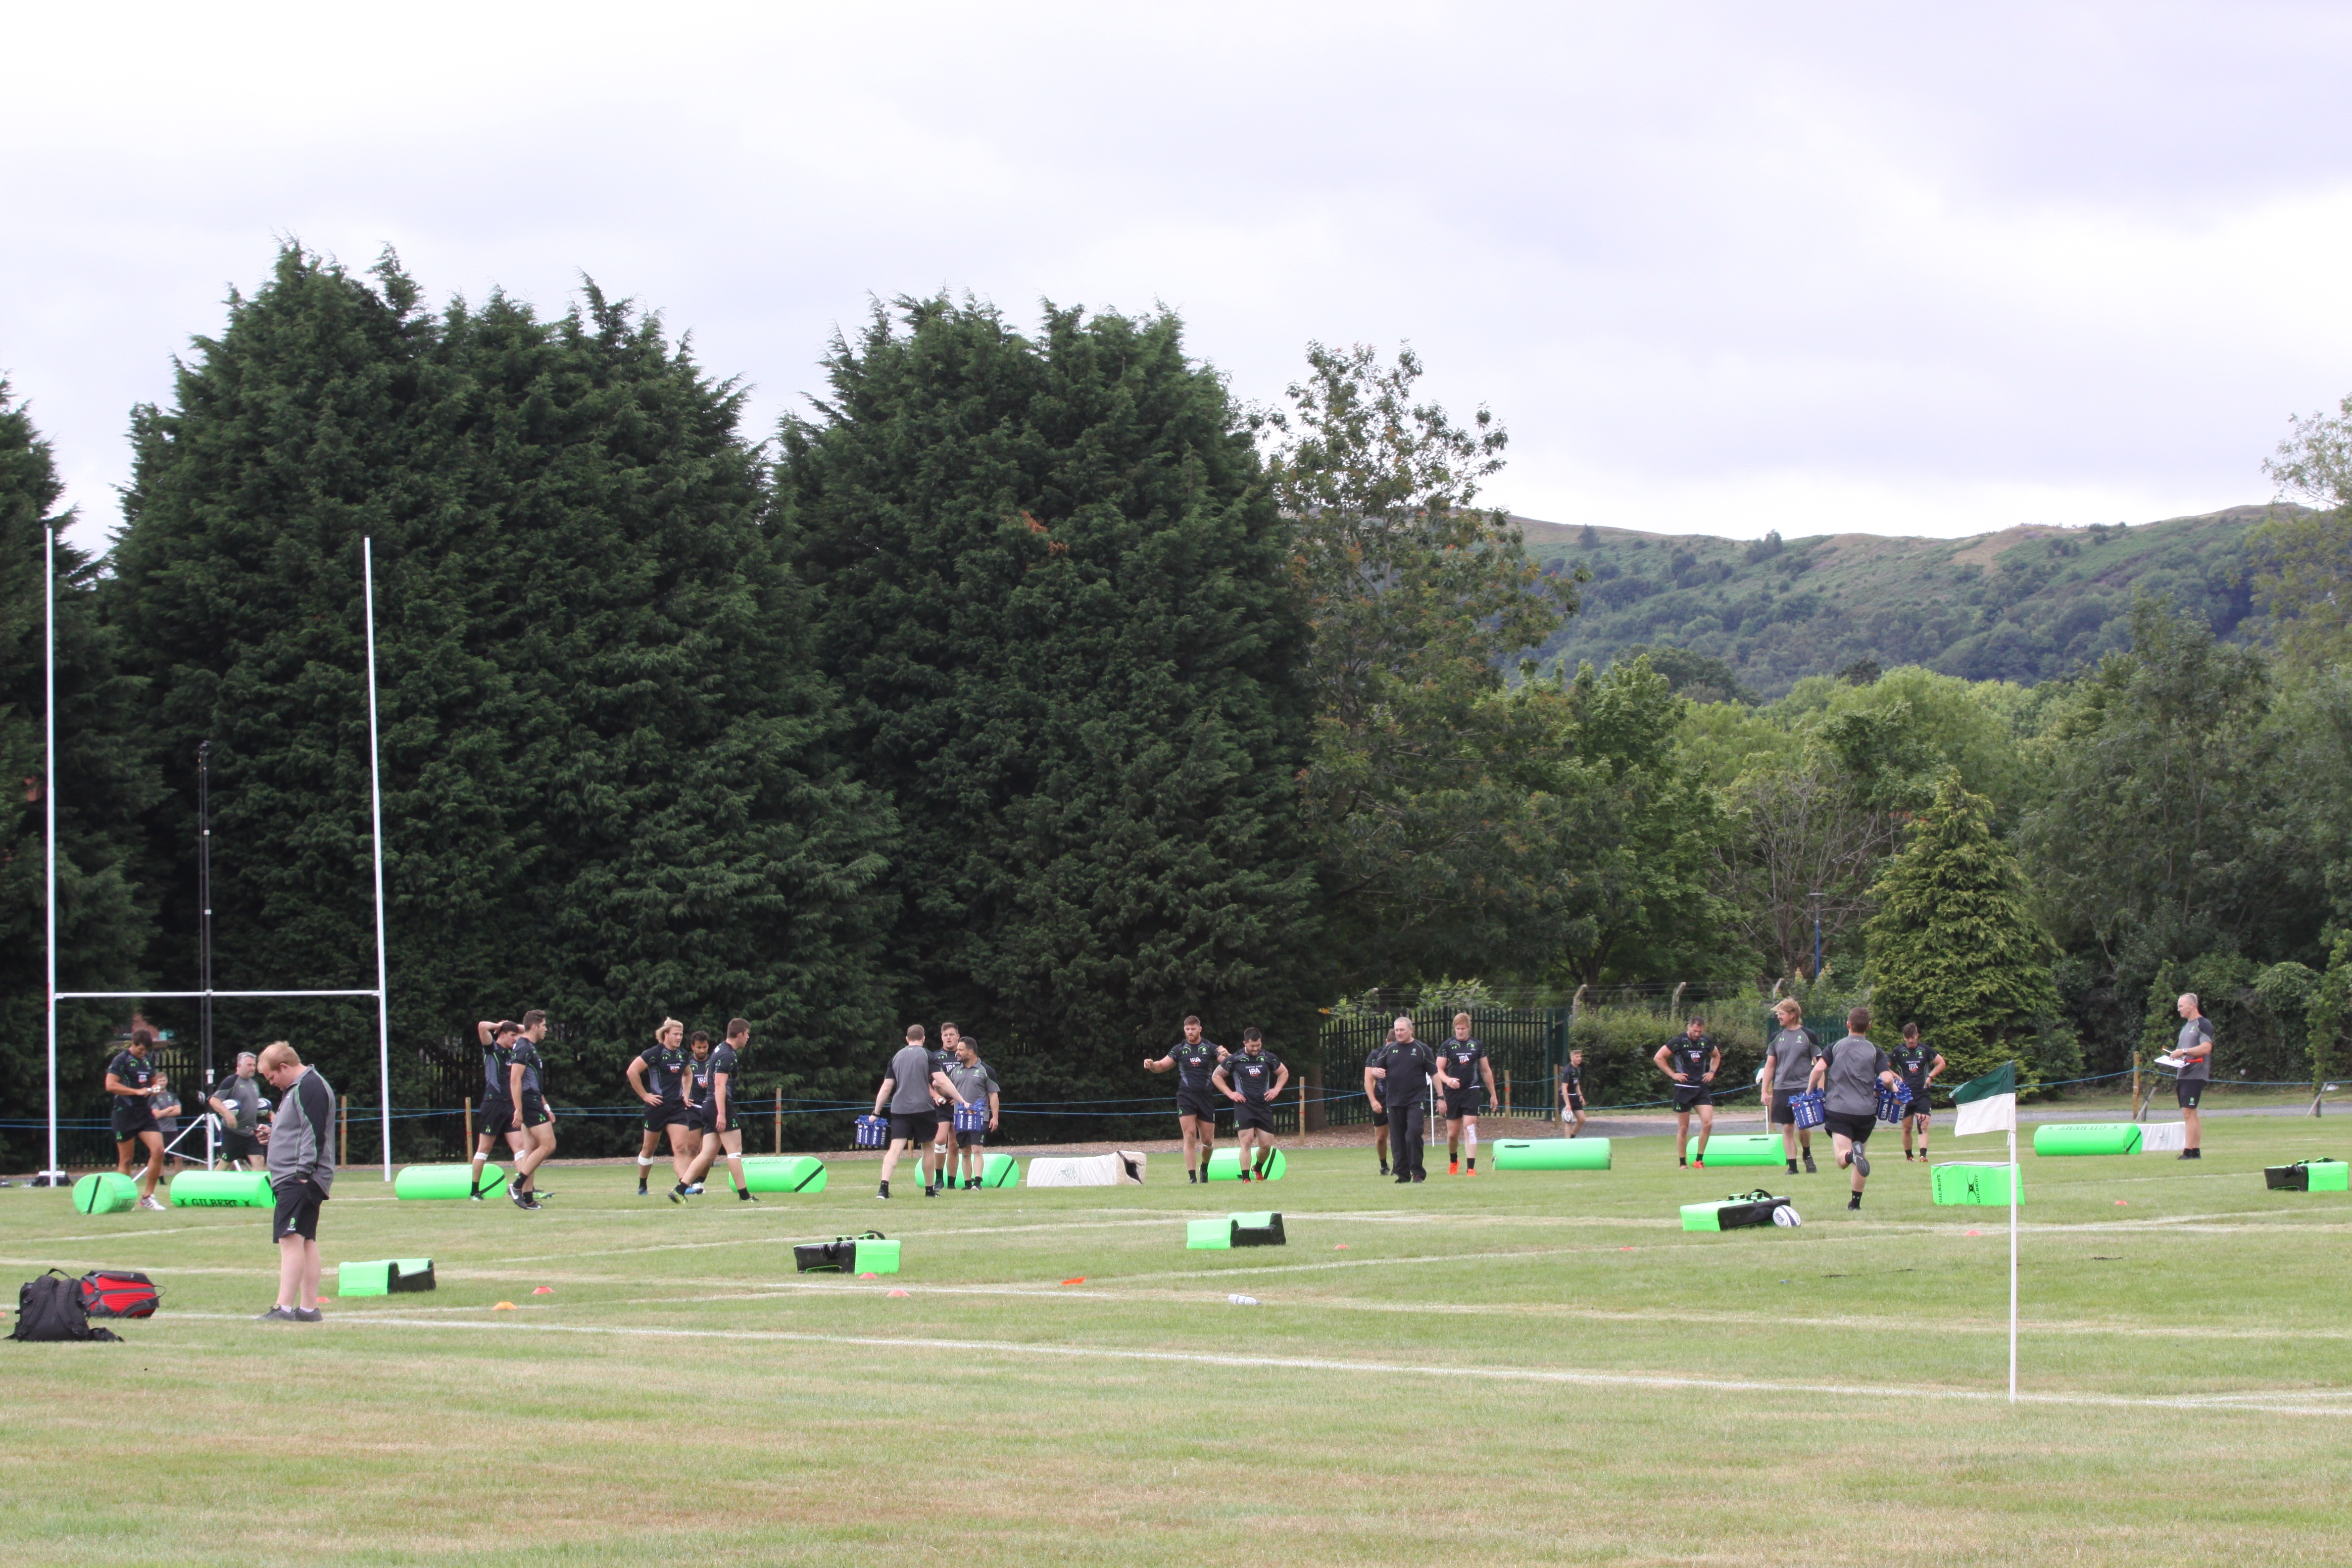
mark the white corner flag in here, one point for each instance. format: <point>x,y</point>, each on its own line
<point>1987,1104</point>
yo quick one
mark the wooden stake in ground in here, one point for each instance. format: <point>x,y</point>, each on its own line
<point>468,1148</point>
<point>343,1134</point>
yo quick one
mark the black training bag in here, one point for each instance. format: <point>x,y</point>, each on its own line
<point>49,1308</point>
<point>838,1256</point>
<point>1744,1209</point>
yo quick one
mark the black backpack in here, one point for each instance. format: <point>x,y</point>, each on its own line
<point>49,1308</point>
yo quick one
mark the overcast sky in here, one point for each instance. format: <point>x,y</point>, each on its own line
<point>1927,270</point>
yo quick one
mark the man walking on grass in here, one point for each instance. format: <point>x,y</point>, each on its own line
<point>1917,1063</point>
<point>237,1101</point>
<point>498,1123</point>
<point>978,1086</point>
<point>1194,1062</point>
<point>1253,1081</point>
<point>911,1091</point>
<point>1396,1083</point>
<point>532,1118</point>
<point>722,1134</point>
<point>301,1170</point>
<point>1467,1080</point>
<point>1848,1075</point>
<point>2196,1070</point>
<point>1692,1062</point>
<point>1788,1059</point>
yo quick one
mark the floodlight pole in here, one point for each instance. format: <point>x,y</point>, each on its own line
<point>205,901</point>
<point>49,804</point>
<point>375,815</point>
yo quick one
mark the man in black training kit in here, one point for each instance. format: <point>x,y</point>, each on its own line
<point>1253,1081</point>
<point>129,1080</point>
<point>1461,1065</point>
<point>2196,1071</point>
<point>658,1076</point>
<point>1195,1063</point>
<point>1848,1075</point>
<point>1916,1063</point>
<point>532,1119</point>
<point>910,1090</point>
<point>945,1056</point>
<point>1789,1058</point>
<point>722,1132</point>
<point>1692,1062</point>
<point>1400,1073</point>
<point>498,1121</point>
<point>1571,1093</point>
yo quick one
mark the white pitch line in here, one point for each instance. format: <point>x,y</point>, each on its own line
<point>1350,1368</point>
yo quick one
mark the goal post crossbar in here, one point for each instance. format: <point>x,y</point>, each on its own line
<point>159,995</point>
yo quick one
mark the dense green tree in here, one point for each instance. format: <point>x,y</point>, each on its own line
<point>610,788</point>
<point>2303,557</point>
<point>1429,836</point>
<point>103,922</point>
<point>1955,947</point>
<point>1053,588</point>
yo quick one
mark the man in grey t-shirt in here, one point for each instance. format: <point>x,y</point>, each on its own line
<point>908,1091</point>
<point>1788,1069</point>
<point>1848,1075</point>
<point>978,1086</point>
<point>2196,1053</point>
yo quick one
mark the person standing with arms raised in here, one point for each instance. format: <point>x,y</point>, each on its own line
<point>1789,1058</point>
<point>1692,1062</point>
<point>302,1173</point>
<point>1194,1062</point>
<point>1399,1074</point>
<point>498,1123</point>
<point>532,1118</point>
<point>1848,1075</point>
<point>912,1090</point>
<point>2196,1070</point>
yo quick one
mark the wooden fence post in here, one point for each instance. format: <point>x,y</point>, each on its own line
<point>343,1145</point>
<point>468,1148</point>
<point>780,1119</point>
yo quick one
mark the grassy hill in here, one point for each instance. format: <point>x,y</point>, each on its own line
<point>2026,603</point>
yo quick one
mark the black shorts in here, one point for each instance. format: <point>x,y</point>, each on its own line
<point>943,1117</point>
<point>1918,1106</point>
<point>2188,1090</point>
<point>1575,1101</point>
<point>240,1146</point>
<point>1201,1102</point>
<point>298,1212</point>
<point>1249,1113</point>
<point>1856,1127</point>
<point>534,1111</point>
<point>1691,1096</point>
<point>496,1118</point>
<point>1783,1114</point>
<point>972,1140</point>
<point>668,1113</point>
<point>914,1127</point>
<point>1461,1102</point>
<point>709,1120</point>
<point>132,1120</point>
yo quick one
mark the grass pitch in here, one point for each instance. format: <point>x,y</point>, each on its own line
<point>1523,1368</point>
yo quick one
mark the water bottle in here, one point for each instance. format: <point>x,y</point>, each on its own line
<point>1243,1300</point>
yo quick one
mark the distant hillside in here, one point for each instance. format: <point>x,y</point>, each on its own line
<point>2026,603</point>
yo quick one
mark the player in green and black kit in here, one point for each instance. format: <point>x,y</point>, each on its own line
<point>1252,1080</point>
<point>1916,1063</point>
<point>1467,1082</point>
<point>130,1079</point>
<point>658,1076</point>
<point>498,1123</point>
<point>1571,1093</point>
<point>722,1132</point>
<point>1692,1062</point>
<point>531,1114</point>
<point>1194,1060</point>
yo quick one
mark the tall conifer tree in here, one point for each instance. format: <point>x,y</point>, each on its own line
<point>610,788</point>
<point>1955,947</point>
<point>1052,586</point>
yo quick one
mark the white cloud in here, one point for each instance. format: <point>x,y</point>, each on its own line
<point>1731,266</point>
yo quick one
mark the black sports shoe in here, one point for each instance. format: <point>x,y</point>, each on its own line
<point>1191,1178</point>
<point>1421,1176</point>
<point>931,1192</point>
<point>278,1315</point>
<point>2190,1154</point>
<point>745,1194</point>
<point>1862,1160</point>
<point>1808,1163</point>
<point>523,1201</point>
<point>677,1194</point>
<point>1792,1167</point>
<point>309,1315</point>
<point>1854,1201</point>
<point>885,1190</point>
<point>1404,1179</point>
<point>1384,1170</point>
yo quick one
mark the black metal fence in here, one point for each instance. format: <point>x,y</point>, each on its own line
<point>1525,1046</point>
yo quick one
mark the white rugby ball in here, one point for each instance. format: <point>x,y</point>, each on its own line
<point>1785,1216</point>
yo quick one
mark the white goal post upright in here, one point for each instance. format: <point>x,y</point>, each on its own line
<point>381,991</point>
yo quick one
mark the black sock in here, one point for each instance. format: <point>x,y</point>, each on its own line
<point>1472,1164</point>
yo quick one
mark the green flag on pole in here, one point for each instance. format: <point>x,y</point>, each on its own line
<point>1987,1104</point>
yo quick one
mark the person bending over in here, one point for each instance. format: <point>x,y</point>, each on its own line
<point>1253,1081</point>
<point>130,1080</point>
<point>1848,1075</point>
<point>910,1089</point>
<point>1194,1061</point>
<point>1692,1062</point>
<point>1916,1063</point>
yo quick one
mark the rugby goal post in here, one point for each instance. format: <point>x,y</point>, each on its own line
<point>54,1172</point>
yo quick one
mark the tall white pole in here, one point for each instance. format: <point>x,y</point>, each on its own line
<point>2016,1179</point>
<point>50,801</point>
<point>375,815</point>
